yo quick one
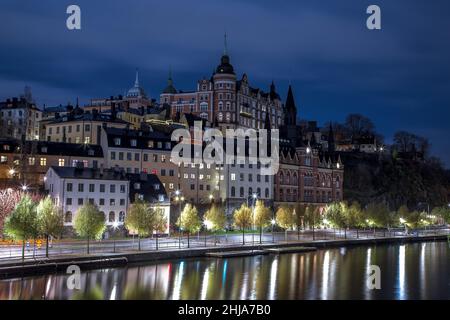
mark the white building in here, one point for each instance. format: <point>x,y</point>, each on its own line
<point>111,190</point>
<point>72,187</point>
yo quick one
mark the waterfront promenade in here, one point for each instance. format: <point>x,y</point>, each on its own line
<point>110,253</point>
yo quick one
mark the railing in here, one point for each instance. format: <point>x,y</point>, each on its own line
<point>67,248</point>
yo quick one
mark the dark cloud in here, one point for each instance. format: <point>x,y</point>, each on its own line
<point>398,76</point>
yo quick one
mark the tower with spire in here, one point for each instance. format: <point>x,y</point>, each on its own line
<point>290,110</point>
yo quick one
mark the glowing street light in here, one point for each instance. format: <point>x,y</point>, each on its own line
<point>12,172</point>
<point>115,225</point>
<point>402,221</point>
<point>308,150</point>
<point>24,187</point>
<point>273,222</point>
<point>177,192</point>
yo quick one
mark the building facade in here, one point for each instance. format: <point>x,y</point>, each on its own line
<point>19,118</point>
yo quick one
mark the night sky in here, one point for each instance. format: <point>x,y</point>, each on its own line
<point>399,76</point>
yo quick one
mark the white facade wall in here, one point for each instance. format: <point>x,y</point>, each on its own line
<point>71,199</point>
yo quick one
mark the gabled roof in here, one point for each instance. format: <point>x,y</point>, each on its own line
<point>149,186</point>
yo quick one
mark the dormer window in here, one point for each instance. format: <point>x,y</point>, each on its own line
<point>6,147</point>
<point>44,149</point>
<point>137,186</point>
<point>90,152</point>
<point>150,144</point>
<point>117,141</point>
<point>133,142</point>
<point>156,186</point>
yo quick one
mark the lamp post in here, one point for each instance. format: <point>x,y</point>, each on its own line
<point>403,222</point>
<point>254,197</point>
<point>272,222</point>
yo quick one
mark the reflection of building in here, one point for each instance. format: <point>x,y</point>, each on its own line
<point>19,117</point>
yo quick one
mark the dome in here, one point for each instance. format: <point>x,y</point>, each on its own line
<point>136,90</point>
<point>225,67</point>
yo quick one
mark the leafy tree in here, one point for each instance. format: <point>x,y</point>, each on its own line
<point>442,212</point>
<point>243,219</point>
<point>189,220</point>
<point>140,220</point>
<point>261,217</point>
<point>379,215</point>
<point>338,214</point>
<point>285,219</point>
<point>89,223</point>
<point>22,223</point>
<point>8,200</point>
<point>50,219</point>
<point>313,218</point>
<point>215,218</point>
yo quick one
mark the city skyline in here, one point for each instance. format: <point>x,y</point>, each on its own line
<point>395,76</point>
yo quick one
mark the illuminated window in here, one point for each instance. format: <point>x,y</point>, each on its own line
<point>43,162</point>
<point>61,162</point>
<point>31,161</point>
<point>233,177</point>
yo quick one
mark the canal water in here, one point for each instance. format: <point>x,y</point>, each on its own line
<point>408,271</point>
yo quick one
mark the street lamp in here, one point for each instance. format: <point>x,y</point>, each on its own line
<point>272,222</point>
<point>12,172</point>
<point>24,187</point>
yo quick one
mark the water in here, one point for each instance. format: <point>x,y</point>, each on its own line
<point>410,271</point>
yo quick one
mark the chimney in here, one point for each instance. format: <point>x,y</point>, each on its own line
<point>113,111</point>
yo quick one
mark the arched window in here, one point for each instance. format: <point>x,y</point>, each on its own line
<point>288,178</point>
<point>281,177</point>
<point>250,191</point>
<point>220,117</point>
<point>338,185</point>
<point>68,217</point>
<point>233,191</point>
<point>241,192</point>
<point>121,216</point>
<point>267,193</point>
<point>295,179</point>
<point>112,216</point>
<point>258,192</point>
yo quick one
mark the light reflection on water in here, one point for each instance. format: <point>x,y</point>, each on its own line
<point>410,271</point>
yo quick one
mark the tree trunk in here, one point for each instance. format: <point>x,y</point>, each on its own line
<point>139,242</point>
<point>345,232</point>
<point>260,235</point>
<point>243,236</point>
<point>156,242</point>
<point>46,245</point>
<point>314,235</point>
<point>357,233</point>
<point>298,233</point>
<point>23,249</point>
<point>285,235</point>
<point>87,245</point>
<point>188,240</point>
